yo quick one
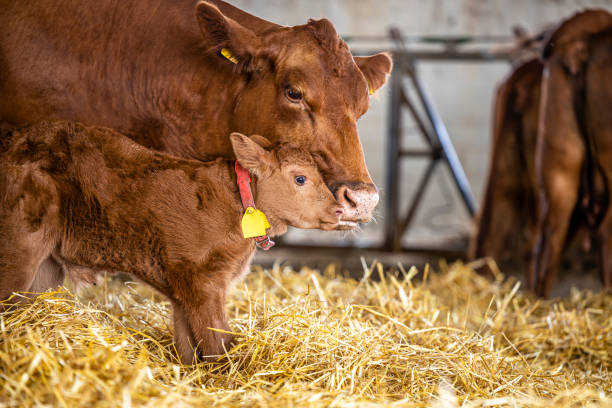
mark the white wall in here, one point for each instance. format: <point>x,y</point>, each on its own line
<point>462,91</point>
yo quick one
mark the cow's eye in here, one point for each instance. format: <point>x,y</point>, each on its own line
<point>293,94</point>
<point>300,180</point>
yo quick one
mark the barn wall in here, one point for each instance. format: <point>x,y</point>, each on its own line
<point>463,92</point>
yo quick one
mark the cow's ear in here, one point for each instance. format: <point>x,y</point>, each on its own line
<point>226,37</point>
<point>575,56</point>
<point>250,154</point>
<point>375,69</point>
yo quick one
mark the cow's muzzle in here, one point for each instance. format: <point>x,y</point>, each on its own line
<point>358,202</point>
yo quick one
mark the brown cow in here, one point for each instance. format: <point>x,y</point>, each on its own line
<point>179,77</point>
<point>574,153</point>
<point>74,197</point>
<point>506,223</point>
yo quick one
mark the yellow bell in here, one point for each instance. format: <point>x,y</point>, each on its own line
<point>254,223</point>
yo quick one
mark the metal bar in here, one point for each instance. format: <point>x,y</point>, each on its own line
<point>434,38</point>
<point>336,248</point>
<point>416,153</point>
<point>416,200</point>
<point>417,118</point>
<point>440,55</point>
<point>447,146</point>
<point>393,150</point>
<point>456,55</point>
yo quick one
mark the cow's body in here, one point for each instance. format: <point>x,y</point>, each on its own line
<point>134,67</point>
<point>507,223</point>
<point>574,152</point>
<point>73,197</point>
<point>153,70</point>
<point>507,220</point>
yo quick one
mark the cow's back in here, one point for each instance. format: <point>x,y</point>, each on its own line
<point>598,120</point>
<point>92,61</point>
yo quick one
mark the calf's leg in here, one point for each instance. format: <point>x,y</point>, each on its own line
<point>198,301</point>
<point>21,257</point>
<point>198,291</point>
<point>204,324</point>
<point>183,336</point>
<point>50,275</point>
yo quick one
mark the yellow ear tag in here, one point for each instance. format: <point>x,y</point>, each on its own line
<point>227,54</point>
<point>254,223</point>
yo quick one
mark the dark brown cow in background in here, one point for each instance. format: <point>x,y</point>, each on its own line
<point>507,226</point>
<point>508,216</point>
<point>155,71</point>
<point>574,154</point>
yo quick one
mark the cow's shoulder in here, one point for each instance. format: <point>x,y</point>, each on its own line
<point>581,25</point>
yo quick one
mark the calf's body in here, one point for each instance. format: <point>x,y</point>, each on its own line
<point>72,197</point>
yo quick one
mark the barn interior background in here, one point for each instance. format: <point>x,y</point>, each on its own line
<point>462,92</point>
<point>311,337</point>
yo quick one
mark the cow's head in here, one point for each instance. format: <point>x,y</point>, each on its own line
<point>303,86</point>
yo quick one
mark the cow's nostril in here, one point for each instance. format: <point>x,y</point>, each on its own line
<point>339,213</point>
<point>349,199</point>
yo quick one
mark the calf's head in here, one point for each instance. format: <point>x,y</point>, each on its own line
<point>288,185</point>
<point>301,85</point>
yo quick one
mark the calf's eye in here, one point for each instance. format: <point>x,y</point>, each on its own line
<point>293,94</point>
<point>300,180</point>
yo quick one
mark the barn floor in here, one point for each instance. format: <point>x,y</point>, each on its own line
<point>444,339</point>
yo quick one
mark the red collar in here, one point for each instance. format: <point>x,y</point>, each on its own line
<point>246,196</point>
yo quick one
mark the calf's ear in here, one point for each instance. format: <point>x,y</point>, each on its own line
<point>226,37</point>
<point>375,69</point>
<point>250,154</point>
<point>262,141</point>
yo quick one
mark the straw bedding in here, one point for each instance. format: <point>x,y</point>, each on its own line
<point>309,338</point>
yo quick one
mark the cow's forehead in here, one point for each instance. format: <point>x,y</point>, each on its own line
<point>330,51</point>
<point>333,69</point>
<point>289,154</point>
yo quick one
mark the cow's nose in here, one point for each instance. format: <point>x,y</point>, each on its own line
<point>345,197</point>
<point>357,203</point>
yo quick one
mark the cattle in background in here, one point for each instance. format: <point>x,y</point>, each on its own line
<point>574,153</point>
<point>507,220</point>
<point>179,77</point>
<point>74,197</point>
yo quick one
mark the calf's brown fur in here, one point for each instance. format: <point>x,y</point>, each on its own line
<point>74,197</point>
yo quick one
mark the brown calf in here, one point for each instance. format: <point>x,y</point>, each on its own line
<point>74,197</point>
<point>574,153</point>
